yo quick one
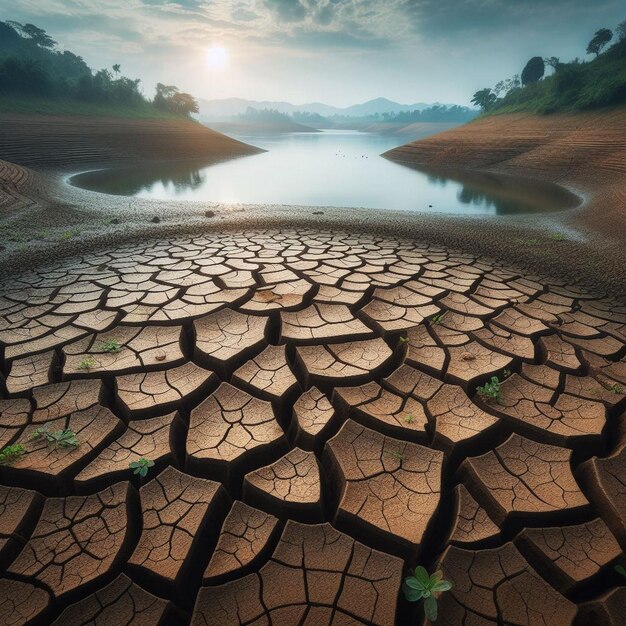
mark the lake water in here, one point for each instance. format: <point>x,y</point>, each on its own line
<point>330,168</point>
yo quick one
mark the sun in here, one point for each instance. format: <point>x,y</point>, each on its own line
<point>217,57</point>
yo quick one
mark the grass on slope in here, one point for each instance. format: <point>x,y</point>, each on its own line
<point>50,106</point>
<point>574,87</point>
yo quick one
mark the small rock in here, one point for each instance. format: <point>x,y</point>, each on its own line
<point>156,219</point>
<point>468,356</point>
<point>318,212</point>
<point>160,355</point>
<point>115,220</point>
<point>209,214</point>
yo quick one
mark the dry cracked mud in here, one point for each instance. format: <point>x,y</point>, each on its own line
<point>310,404</point>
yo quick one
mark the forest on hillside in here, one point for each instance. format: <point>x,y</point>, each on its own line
<point>570,86</point>
<point>434,113</point>
<point>32,66</point>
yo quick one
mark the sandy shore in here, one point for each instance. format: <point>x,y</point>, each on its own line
<point>42,218</point>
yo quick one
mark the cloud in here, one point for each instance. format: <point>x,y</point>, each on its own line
<point>242,13</point>
<point>287,10</point>
<point>448,47</point>
<point>451,18</point>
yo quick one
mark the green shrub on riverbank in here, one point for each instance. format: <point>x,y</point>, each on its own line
<point>573,86</point>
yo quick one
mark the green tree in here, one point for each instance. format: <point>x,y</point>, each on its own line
<point>484,98</point>
<point>38,35</point>
<point>184,103</point>
<point>163,95</point>
<point>25,76</point>
<point>116,69</point>
<point>553,62</point>
<point>170,98</point>
<point>600,39</point>
<point>533,71</point>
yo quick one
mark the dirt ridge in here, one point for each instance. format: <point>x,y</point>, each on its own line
<point>48,142</point>
<point>586,151</point>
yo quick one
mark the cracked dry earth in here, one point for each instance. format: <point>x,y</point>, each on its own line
<point>309,402</point>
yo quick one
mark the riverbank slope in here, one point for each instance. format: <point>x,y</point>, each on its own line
<point>51,142</point>
<point>584,151</point>
<point>42,218</point>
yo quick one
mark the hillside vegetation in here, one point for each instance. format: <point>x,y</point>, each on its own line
<point>438,113</point>
<point>36,77</point>
<point>571,86</point>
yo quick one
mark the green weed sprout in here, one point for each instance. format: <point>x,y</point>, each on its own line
<point>87,363</point>
<point>8,454</point>
<point>111,346</point>
<point>65,438</point>
<point>490,390</point>
<point>421,586</point>
<point>141,467</point>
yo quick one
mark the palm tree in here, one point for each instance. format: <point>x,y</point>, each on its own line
<point>116,68</point>
<point>485,99</point>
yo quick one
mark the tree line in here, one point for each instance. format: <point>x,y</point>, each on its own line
<point>570,85</point>
<point>435,113</point>
<point>31,66</point>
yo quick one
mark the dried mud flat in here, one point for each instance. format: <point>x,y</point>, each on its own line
<point>309,402</point>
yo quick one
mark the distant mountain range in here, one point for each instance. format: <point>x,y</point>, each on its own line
<point>215,109</point>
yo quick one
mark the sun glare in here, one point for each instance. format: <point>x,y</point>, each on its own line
<point>217,57</point>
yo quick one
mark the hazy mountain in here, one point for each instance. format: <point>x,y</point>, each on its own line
<point>381,105</point>
<point>211,109</point>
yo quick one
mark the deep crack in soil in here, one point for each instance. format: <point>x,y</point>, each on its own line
<point>309,400</point>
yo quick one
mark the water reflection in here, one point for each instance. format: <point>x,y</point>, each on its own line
<point>177,178</point>
<point>333,168</point>
<point>506,195</point>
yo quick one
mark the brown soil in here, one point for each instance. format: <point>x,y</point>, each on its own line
<point>274,501</point>
<point>48,142</point>
<point>583,150</point>
<point>276,377</point>
<point>44,218</point>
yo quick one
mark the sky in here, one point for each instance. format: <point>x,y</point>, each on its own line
<point>340,52</point>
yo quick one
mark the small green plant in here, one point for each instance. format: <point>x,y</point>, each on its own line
<point>527,241</point>
<point>409,419</point>
<point>421,586</point>
<point>506,373</point>
<point>8,454</point>
<point>437,319</point>
<point>557,237</point>
<point>404,339</point>
<point>87,363</point>
<point>616,388</point>
<point>65,438</point>
<point>396,454</point>
<point>620,569</point>
<point>70,234</point>
<point>141,467</point>
<point>111,346</point>
<point>490,390</point>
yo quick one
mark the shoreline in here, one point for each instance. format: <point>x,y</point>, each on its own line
<point>70,221</point>
<point>525,242</point>
<point>584,151</point>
